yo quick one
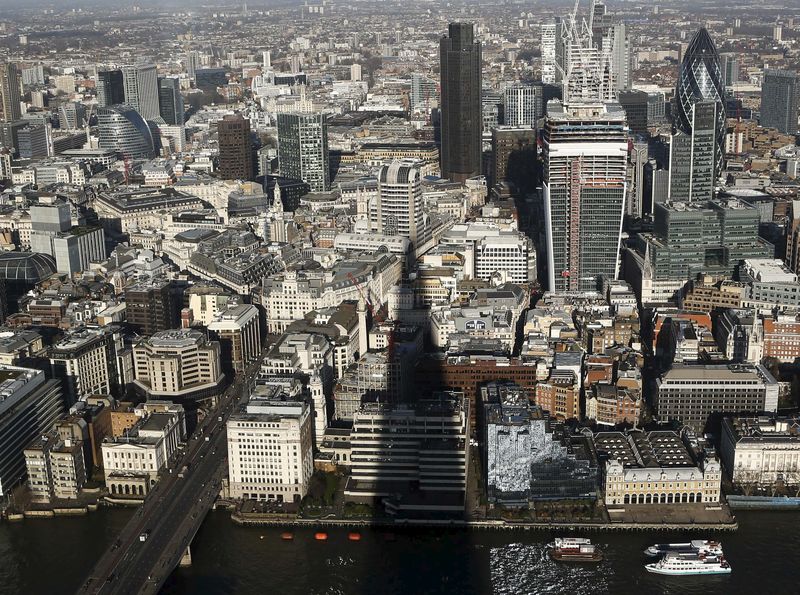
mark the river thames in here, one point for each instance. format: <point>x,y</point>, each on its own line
<point>53,556</point>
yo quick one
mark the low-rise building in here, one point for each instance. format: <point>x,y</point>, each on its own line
<point>610,405</point>
<point>179,363</point>
<point>691,394</point>
<point>655,468</point>
<point>131,462</point>
<point>239,336</point>
<point>414,459</point>
<point>528,456</point>
<point>761,450</point>
<point>270,446</point>
<point>56,468</point>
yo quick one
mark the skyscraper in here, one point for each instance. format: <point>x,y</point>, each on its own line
<point>141,89</point>
<point>730,69</point>
<point>460,66</point>
<point>170,101</point>
<point>235,148</point>
<point>522,105</point>
<point>700,79</point>
<point>303,149</point>
<point>121,128</point>
<point>10,92</point>
<point>585,164</point>
<point>110,88</point>
<point>780,100</point>
<point>399,204</point>
<point>192,62</point>
<point>548,47</point>
<point>693,156</point>
<point>424,91</point>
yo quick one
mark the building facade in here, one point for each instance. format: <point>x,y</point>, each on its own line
<point>460,64</point>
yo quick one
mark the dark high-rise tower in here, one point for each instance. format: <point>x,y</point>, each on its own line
<point>170,101</point>
<point>460,64</point>
<point>10,109</point>
<point>780,100</point>
<point>235,148</point>
<point>700,79</point>
<point>110,90</point>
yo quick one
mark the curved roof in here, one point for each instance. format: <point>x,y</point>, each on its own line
<point>26,266</point>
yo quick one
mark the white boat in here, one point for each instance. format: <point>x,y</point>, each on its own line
<point>696,546</point>
<point>676,563</point>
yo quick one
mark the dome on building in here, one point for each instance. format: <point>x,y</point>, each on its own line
<point>31,267</point>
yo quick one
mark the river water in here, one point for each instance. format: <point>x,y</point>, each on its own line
<point>52,556</point>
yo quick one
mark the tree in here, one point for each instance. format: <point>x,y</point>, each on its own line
<point>747,479</point>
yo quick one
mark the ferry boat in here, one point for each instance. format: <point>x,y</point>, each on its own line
<point>676,563</point>
<point>696,546</point>
<point>574,549</point>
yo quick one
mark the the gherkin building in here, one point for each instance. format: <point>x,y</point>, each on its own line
<point>700,79</point>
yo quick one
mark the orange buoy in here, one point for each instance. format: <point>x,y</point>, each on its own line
<point>354,536</point>
<point>321,536</point>
<point>286,536</point>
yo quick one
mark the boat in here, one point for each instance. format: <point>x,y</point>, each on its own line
<point>321,536</point>
<point>679,563</point>
<point>286,536</point>
<point>574,549</point>
<point>698,546</point>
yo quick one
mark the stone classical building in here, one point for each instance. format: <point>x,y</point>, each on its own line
<point>270,446</point>
<point>655,468</point>
<point>761,450</point>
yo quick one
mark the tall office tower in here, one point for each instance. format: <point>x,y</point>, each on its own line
<point>10,97</point>
<point>585,163</point>
<point>692,156</point>
<point>110,88</point>
<point>548,47</point>
<point>170,101</point>
<point>780,100</point>
<point>514,153</point>
<point>522,105</point>
<point>303,149</point>
<point>635,104</point>
<point>192,63</point>
<point>491,110</point>
<point>424,91</point>
<point>462,122</point>
<point>777,32</point>
<point>730,69</point>
<point>700,79</point>
<point>71,115</point>
<point>122,128</point>
<point>235,148</point>
<point>637,159</point>
<point>399,204</point>
<point>616,45</point>
<point>266,61</point>
<point>33,76</point>
<point>141,89</point>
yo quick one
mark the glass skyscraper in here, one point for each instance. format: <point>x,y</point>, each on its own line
<point>462,118</point>
<point>121,128</point>
<point>110,89</point>
<point>585,167</point>
<point>780,100</point>
<point>303,149</point>
<point>700,79</point>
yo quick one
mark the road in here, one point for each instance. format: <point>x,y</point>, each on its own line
<point>173,510</point>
